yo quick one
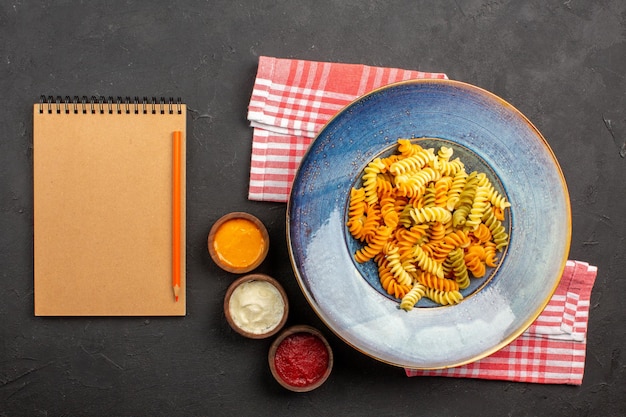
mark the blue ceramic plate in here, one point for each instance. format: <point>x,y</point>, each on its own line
<point>489,135</point>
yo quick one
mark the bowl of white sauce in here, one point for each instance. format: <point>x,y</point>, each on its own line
<point>256,306</point>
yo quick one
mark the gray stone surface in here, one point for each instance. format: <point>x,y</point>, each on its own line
<point>560,62</point>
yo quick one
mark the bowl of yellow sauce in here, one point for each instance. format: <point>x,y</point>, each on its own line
<point>238,242</point>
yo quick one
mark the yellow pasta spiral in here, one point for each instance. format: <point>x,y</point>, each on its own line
<point>445,153</point>
<point>412,297</point>
<point>482,179</point>
<point>431,214</point>
<point>479,205</point>
<point>407,148</point>
<point>412,163</point>
<point>444,297</point>
<point>427,263</point>
<point>406,188</point>
<point>370,179</point>
<point>496,199</point>
<point>398,268</point>
<point>450,168</point>
<point>457,186</point>
<point>418,179</point>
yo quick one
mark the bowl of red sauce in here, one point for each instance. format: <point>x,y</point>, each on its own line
<point>238,242</point>
<point>300,358</point>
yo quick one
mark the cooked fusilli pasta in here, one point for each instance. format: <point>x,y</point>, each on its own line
<point>412,297</point>
<point>428,225</point>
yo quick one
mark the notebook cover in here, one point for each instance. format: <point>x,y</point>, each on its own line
<point>103,213</point>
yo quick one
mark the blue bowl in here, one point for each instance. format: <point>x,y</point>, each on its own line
<point>489,135</point>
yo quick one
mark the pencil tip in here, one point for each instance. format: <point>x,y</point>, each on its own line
<point>176,298</point>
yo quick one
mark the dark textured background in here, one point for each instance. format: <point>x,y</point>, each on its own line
<point>560,62</point>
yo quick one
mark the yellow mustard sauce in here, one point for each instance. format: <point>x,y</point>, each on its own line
<point>239,243</point>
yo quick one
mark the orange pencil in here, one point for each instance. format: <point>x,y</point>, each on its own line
<point>176,210</point>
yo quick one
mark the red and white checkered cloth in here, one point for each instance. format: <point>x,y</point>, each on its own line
<point>552,350</point>
<point>293,99</point>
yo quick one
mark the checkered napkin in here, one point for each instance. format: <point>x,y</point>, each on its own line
<point>293,99</point>
<point>552,350</point>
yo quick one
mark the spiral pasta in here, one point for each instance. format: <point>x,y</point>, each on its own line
<point>442,284</point>
<point>375,246</point>
<point>440,250</point>
<point>428,225</point>
<point>444,297</point>
<point>356,213</point>
<point>426,263</point>
<point>430,214</point>
<point>441,191</point>
<point>389,283</point>
<point>456,261</point>
<point>412,297</point>
<point>413,163</point>
<point>500,237</point>
<point>398,267</point>
<point>370,180</point>
<point>479,206</point>
<point>407,148</point>
<point>491,256</point>
<point>474,263</point>
<point>482,234</point>
<point>458,184</point>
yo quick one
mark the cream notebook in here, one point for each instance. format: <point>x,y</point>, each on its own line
<point>103,207</point>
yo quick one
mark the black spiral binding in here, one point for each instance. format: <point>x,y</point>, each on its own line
<point>110,105</point>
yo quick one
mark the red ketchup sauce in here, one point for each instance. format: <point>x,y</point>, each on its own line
<point>301,359</point>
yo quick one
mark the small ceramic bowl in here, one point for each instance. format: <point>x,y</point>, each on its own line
<point>300,358</point>
<point>238,242</point>
<point>256,306</point>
